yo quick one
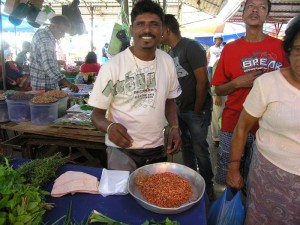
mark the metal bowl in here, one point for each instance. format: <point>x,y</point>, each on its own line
<point>197,182</point>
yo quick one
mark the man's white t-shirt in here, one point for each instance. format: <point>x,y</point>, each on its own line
<point>134,92</point>
<point>214,53</point>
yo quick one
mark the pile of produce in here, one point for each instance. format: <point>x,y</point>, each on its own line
<point>39,172</point>
<point>22,201</point>
<point>167,190</point>
<point>43,99</point>
<point>56,93</point>
<point>20,96</point>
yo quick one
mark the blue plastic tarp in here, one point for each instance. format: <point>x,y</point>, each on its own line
<point>7,26</point>
<point>209,39</point>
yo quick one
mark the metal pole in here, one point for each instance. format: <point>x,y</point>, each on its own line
<point>92,28</point>
<point>2,53</point>
<point>125,15</point>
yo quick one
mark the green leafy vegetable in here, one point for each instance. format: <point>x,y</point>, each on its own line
<point>100,218</point>
<point>20,203</point>
<point>164,222</point>
<point>39,172</point>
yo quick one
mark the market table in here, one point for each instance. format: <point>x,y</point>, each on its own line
<point>78,137</point>
<point>121,208</point>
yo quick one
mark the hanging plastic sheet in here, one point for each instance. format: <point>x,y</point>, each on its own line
<point>73,13</point>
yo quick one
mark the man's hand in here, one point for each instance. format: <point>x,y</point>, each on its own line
<point>73,87</point>
<point>174,141</point>
<point>117,133</point>
<point>218,100</point>
<point>246,81</point>
<point>234,179</point>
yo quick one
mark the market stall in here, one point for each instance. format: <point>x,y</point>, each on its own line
<point>122,208</point>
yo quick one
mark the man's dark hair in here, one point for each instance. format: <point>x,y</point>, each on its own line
<point>26,45</point>
<point>292,30</point>
<point>172,23</point>
<point>60,19</point>
<point>91,57</point>
<point>147,6</point>
<point>269,6</point>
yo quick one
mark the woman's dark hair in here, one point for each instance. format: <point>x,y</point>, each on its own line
<point>172,23</point>
<point>91,57</point>
<point>269,6</point>
<point>292,30</point>
<point>147,6</point>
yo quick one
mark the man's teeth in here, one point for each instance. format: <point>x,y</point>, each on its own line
<point>147,38</point>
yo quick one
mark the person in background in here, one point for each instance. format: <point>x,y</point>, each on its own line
<point>195,102</point>
<point>213,53</point>
<point>105,53</point>
<point>22,59</point>
<point>90,64</point>
<point>241,62</point>
<point>218,107</point>
<point>135,85</point>
<point>44,71</point>
<point>273,182</point>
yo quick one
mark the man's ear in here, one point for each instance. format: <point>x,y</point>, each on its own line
<point>130,28</point>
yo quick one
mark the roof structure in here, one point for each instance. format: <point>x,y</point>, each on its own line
<point>282,10</point>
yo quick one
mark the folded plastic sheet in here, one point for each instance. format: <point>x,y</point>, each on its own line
<point>113,182</point>
<point>72,182</point>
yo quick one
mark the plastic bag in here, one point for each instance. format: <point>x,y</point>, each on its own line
<point>227,210</point>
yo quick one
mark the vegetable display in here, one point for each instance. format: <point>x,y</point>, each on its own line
<point>39,172</point>
<point>20,203</point>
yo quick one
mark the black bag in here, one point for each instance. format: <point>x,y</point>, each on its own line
<point>33,12</point>
<point>19,13</point>
<point>72,12</point>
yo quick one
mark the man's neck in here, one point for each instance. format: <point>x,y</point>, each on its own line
<point>143,55</point>
<point>174,41</point>
<point>254,34</point>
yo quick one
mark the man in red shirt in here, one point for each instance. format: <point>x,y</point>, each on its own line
<point>241,62</point>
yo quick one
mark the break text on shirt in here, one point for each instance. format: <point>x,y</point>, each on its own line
<point>261,61</point>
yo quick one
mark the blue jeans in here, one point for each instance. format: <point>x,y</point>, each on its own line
<point>195,149</point>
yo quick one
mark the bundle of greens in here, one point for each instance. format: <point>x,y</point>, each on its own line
<point>38,172</point>
<point>20,203</point>
<point>100,218</point>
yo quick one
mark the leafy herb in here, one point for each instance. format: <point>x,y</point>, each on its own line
<point>164,222</point>
<point>39,172</point>
<point>20,203</point>
<point>99,217</point>
<point>68,220</point>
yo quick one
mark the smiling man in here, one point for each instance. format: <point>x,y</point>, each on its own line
<point>241,62</point>
<point>134,94</point>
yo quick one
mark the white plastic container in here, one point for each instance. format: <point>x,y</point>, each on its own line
<point>62,106</point>
<point>3,112</point>
<point>18,110</point>
<point>43,113</point>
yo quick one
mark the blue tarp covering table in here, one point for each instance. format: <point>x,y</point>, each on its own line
<point>121,208</point>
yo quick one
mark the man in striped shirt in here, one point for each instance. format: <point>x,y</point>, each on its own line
<point>44,72</point>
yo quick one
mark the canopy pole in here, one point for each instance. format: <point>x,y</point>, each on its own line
<point>92,27</point>
<point>2,53</point>
<point>125,15</point>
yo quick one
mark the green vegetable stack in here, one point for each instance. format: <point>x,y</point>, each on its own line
<point>39,172</point>
<point>20,203</point>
